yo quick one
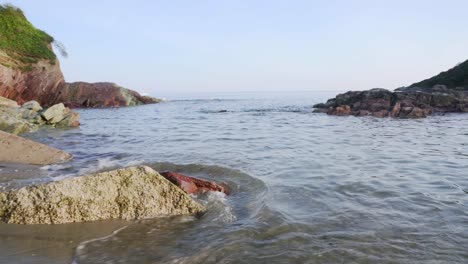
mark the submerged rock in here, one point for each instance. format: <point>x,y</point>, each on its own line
<point>20,150</point>
<point>130,193</point>
<point>192,185</point>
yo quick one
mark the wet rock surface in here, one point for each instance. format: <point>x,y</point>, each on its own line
<point>192,185</point>
<point>19,150</point>
<point>403,103</point>
<point>129,193</point>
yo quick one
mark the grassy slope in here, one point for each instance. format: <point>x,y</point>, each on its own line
<point>21,41</point>
<point>455,77</point>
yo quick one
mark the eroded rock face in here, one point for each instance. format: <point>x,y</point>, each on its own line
<point>102,94</point>
<point>400,104</point>
<point>42,82</point>
<point>192,185</point>
<point>130,193</point>
<point>20,150</point>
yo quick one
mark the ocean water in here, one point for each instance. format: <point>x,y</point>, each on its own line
<point>306,187</point>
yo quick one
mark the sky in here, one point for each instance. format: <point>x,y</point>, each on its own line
<point>159,47</point>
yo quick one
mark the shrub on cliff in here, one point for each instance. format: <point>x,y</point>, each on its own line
<point>453,78</point>
<point>20,40</point>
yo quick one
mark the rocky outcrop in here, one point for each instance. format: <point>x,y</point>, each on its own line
<point>401,104</point>
<point>30,116</point>
<point>192,185</point>
<point>41,82</point>
<point>130,193</point>
<point>20,150</point>
<point>103,94</point>
<point>29,70</point>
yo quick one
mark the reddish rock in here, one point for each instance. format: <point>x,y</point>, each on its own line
<point>342,110</point>
<point>362,113</point>
<point>396,110</point>
<point>41,83</point>
<point>193,185</point>
<point>101,94</point>
<point>381,113</point>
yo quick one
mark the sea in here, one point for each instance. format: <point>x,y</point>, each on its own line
<point>305,187</point>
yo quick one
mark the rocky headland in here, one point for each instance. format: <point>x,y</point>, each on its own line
<point>444,93</point>
<point>30,70</point>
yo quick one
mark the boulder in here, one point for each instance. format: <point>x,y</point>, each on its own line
<point>7,102</point>
<point>342,110</point>
<point>55,113</point>
<point>130,193</point>
<point>32,105</point>
<point>192,185</point>
<point>13,125</point>
<point>20,150</point>
<point>72,119</point>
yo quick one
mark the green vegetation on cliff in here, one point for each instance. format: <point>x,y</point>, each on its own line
<point>453,78</point>
<point>20,40</point>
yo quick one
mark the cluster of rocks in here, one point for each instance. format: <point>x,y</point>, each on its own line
<point>30,116</point>
<point>403,103</point>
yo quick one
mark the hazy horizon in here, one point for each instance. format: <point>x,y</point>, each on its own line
<point>161,47</point>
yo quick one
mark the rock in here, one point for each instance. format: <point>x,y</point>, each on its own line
<point>7,102</point>
<point>72,119</point>
<point>342,110</point>
<point>17,120</point>
<point>396,110</point>
<point>381,113</point>
<point>15,126</point>
<point>20,150</point>
<point>401,104</point>
<point>193,185</point>
<point>362,113</point>
<point>41,83</point>
<point>55,113</point>
<point>32,105</point>
<point>130,193</point>
<point>103,94</point>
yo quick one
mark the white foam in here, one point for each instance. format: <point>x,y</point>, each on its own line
<point>217,202</point>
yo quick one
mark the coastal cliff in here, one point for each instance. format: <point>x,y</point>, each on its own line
<point>30,70</point>
<point>446,92</point>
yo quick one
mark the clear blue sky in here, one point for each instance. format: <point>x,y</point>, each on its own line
<point>158,47</point>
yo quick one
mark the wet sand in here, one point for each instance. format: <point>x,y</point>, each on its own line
<point>50,244</point>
